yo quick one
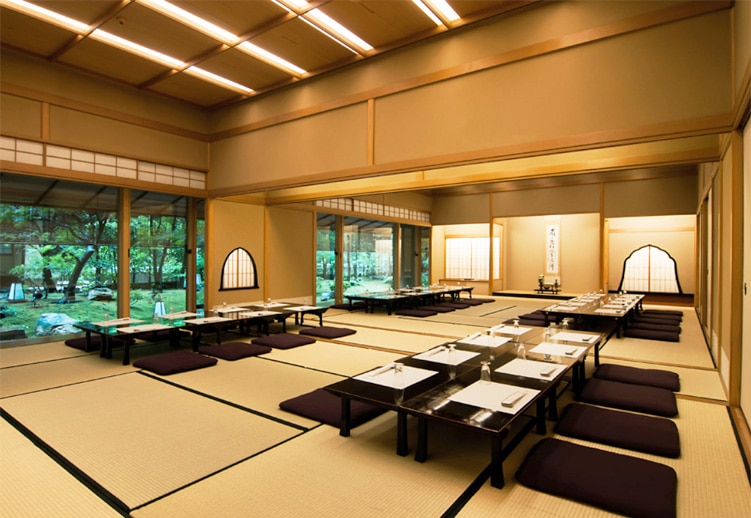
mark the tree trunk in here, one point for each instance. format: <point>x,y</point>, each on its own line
<point>70,290</point>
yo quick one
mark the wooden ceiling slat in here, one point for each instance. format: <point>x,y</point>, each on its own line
<point>385,24</point>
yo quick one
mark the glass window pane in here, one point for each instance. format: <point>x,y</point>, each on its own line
<point>158,236</point>
<point>368,258</point>
<point>58,254</point>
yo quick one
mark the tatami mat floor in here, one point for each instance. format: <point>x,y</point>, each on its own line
<point>85,436</point>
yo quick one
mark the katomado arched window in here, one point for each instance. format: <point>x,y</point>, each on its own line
<point>239,271</point>
<point>650,269</point>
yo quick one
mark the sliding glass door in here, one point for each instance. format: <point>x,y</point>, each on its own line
<point>368,255</point>
<point>355,255</point>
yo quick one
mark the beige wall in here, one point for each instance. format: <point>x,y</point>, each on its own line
<point>54,105</point>
<point>228,226</point>
<point>524,252</point>
<point>591,76</point>
<point>662,196</point>
<point>291,257</point>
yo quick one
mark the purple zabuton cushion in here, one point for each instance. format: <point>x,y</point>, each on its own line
<point>650,334</point>
<point>283,340</point>
<point>81,343</point>
<point>645,433</point>
<point>420,313</point>
<point>618,483</point>
<point>637,398</point>
<point>639,376</point>
<point>234,350</point>
<point>174,362</point>
<point>437,309</point>
<point>321,405</point>
<point>327,332</point>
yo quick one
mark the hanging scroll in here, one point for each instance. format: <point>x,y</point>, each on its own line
<point>552,242</point>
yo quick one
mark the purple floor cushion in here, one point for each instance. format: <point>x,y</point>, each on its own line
<point>670,328</point>
<point>327,332</point>
<point>625,396</point>
<point>639,376</point>
<point>81,343</point>
<point>650,334</point>
<point>174,362</point>
<point>420,313</point>
<point>614,482</point>
<point>283,341</point>
<point>644,433</point>
<point>471,302</point>
<point>321,405</point>
<point>437,309</point>
<point>234,350</point>
<point>663,312</point>
<point>455,305</point>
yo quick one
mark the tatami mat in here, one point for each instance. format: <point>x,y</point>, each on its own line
<point>257,384</point>
<point>24,355</point>
<point>171,447</point>
<point>701,383</point>
<point>709,465</point>
<point>32,484</point>
<point>140,438</point>
<point>43,375</point>
<point>334,357</point>
<point>360,476</point>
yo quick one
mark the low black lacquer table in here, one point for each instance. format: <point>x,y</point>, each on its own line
<point>446,384</point>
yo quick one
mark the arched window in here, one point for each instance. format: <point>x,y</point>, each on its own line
<point>239,271</point>
<point>650,269</point>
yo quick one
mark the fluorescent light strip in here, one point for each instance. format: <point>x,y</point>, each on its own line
<point>138,50</point>
<point>271,59</point>
<point>424,8</point>
<point>40,13</point>
<point>338,30</point>
<point>443,10</point>
<point>107,38</point>
<point>218,80</point>
<point>326,25</point>
<point>191,20</point>
<point>222,35</point>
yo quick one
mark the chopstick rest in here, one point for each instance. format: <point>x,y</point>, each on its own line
<point>547,371</point>
<point>512,399</point>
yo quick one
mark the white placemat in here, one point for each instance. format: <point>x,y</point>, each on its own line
<point>207,320</point>
<point>178,315</point>
<point>440,354</point>
<point>532,369</point>
<point>569,336</point>
<point>117,322</point>
<point>387,377</point>
<point>569,351</point>
<point>142,328</point>
<point>302,308</point>
<point>487,394</point>
<point>484,340</point>
<point>606,311</point>
<point>252,314</point>
<point>510,330</point>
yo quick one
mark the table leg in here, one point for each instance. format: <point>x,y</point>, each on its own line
<point>402,446</point>
<point>496,463</point>
<point>346,410</point>
<point>541,425</point>
<point>126,352</point>
<point>553,404</point>
<point>421,453</point>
